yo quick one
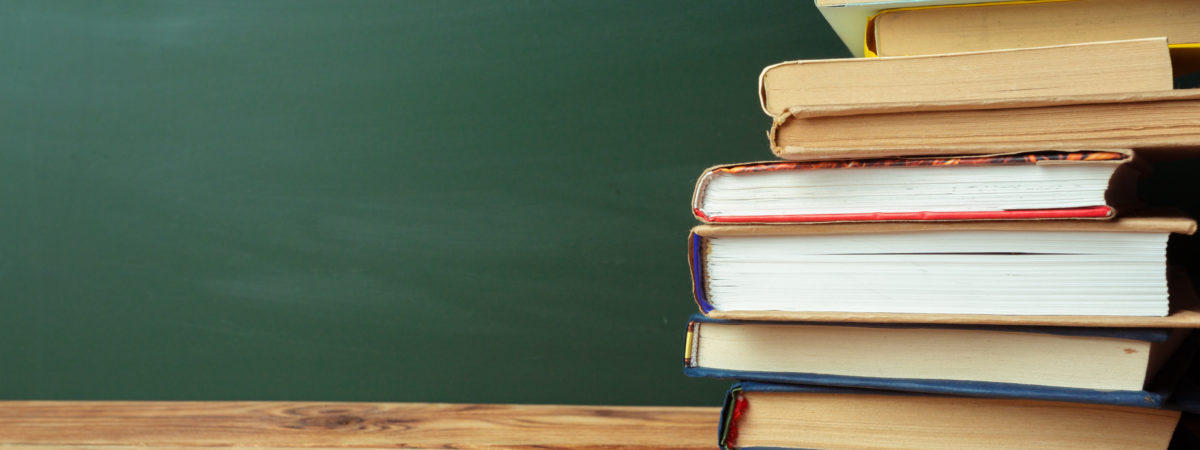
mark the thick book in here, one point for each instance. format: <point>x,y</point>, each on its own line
<point>849,18</point>
<point>1150,121</point>
<point>1036,185</point>
<point>989,26</point>
<point>1142,65</point>
<point>758,415</point>
<point>1094,365</point>
<point>1073,268</point>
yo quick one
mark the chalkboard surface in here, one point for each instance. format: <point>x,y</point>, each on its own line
<point>449,201</point>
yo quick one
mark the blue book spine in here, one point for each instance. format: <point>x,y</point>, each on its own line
<point>1143,399</point>
<point>696,263</point>
<point>1154,397</point>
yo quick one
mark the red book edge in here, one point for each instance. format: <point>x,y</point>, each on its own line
<point>1089,212</point>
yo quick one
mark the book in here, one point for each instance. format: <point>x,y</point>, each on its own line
<point>1081,364</point>
<point>1151,121</point>
<point>1142,65</point>
<point>1082,268</point>
<point>989,26</point>
<point>1036,185</point>
<point>849,18</point>
<point>757,415</point>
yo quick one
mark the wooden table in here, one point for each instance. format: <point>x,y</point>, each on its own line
<point>191,425</point>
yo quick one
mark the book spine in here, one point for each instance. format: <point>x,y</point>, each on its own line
<point>688,346</point>
<point>731,410</point>
<point>696,264</point>
<point>1142,399</point>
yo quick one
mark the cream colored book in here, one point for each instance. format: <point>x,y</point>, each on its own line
<point>1163,120</point>
<point>778,416</point>
<point>1142,65</point>
<point>849,18</point>
<point>1104,365</point>
<point>989,26</point>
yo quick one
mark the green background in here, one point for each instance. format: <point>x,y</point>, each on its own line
<point>447,201</point>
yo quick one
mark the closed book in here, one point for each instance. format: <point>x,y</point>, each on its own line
<point>1142,65</point>
<point>992,25</point>
<point>1034,268</point>
<point>1158,121</point>
<point>849,18</point>
<point>1036,185</point>
<point>758,415</point>
<point>1080,364</point>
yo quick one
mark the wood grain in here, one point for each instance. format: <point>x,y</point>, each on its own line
<point>119,425</point>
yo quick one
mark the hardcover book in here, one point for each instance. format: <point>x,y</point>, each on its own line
<point>1074,268</point>
<point>849,18</point>
<point>1142,65</point>
<point>758,415</point>
<point>1038,185</point>
<point>1092,365</point>
<point>1159,121</point>
<point>990,25</point>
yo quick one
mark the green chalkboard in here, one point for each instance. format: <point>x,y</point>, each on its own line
<point>448,201</point>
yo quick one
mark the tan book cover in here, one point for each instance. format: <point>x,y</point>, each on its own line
<point>1162,120</point>
<point>758,416</point>
<point>1142,65</point>
<point>989,26</point>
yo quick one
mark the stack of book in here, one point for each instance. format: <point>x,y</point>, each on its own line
<point>951,252</point>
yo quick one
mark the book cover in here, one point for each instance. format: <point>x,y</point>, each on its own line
<point>926,30</point>
<point>1137,65</point>
<point>849,19</point>
<point>1162,121</point>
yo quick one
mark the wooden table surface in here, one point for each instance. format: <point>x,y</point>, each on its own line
<point>121,425</point>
